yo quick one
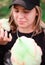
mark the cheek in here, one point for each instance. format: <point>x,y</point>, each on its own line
<point>15,17</point>
<point>31,17</point>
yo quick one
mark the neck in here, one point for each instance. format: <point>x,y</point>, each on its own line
<point>26,30</point>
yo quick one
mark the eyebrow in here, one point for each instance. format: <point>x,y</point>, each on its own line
<point>22,8</point>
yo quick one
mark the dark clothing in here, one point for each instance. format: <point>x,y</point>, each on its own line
<point>40,40</point>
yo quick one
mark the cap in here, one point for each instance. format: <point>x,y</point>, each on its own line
<point>28,4</point>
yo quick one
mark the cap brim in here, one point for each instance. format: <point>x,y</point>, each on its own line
<point>28,7</point>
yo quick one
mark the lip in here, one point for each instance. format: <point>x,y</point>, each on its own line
<point>21,22</point>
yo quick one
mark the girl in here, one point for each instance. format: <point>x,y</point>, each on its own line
<point>25,19</point>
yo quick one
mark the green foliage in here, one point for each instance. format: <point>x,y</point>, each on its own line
<point>4,8</point>
<point>4,11</point>
<point>43,11</point>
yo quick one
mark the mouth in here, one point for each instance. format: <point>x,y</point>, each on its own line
<point>21,22</point>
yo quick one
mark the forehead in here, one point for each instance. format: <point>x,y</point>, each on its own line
<point>19,7</point>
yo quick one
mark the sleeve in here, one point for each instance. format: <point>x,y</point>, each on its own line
<point>7,58</point>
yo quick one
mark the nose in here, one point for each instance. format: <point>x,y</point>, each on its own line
<point>20,15</point>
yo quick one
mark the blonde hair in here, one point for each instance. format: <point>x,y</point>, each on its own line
<point>37,28</point>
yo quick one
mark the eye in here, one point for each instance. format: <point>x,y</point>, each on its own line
<point>16,10</point>
<point>26,11</point>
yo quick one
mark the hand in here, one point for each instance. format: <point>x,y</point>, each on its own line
<point>4,39</point>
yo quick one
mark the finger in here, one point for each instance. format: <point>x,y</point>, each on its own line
<point>10,37</point>
<point>6,38</point>
<point>1,33</point>
<point>6,34</point>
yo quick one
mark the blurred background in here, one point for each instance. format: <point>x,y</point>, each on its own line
<point>4,8</point>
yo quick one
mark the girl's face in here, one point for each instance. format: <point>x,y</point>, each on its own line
<point>24,18</point>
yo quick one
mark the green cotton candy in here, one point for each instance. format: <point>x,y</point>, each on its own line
<point>26,50</point>
<point>22,50</point>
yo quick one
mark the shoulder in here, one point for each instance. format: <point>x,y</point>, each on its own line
<point>39,38</point>
<point>42,24</point>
